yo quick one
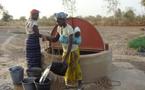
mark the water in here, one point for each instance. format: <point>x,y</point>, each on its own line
<point>45,74</point>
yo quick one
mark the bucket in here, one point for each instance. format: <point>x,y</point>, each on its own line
<point>59,68</point>
<point>34,72</point>
<point>42,86</point>
<point>17,74</point>
<point>28,84</point>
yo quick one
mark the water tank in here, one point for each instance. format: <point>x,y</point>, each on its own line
<point>95,58</point>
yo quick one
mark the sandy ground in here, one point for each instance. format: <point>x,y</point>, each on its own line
<point>126,60</point>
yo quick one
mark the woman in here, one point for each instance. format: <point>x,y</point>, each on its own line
<point>33,54</point>
<point>71,52</point>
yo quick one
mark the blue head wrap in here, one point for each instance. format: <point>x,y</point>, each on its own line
<point>61,15</point>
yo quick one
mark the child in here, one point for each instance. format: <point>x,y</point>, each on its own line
<point>76,38</point>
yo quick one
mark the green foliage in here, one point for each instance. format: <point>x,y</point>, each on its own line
<point>118,13</point>
<point>129,14</point>
<point>138,43</point>
<point>112,5</point>
<point>6,17</point>
<point>22,18</point>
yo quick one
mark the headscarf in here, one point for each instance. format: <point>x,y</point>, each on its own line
<point>34,11</point>
<point>61,15</point>
<point>77,29</point>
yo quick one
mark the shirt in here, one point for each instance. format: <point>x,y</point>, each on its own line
<point>66,32</point>
<point>29,26</point>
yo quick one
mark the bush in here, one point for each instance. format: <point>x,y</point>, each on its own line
<point>138,43</point>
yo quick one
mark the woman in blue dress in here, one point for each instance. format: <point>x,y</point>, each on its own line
<point>33,54</point>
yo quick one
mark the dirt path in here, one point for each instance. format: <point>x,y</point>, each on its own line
<point>3,46</point>
<point>5,61</point>
<point>13,47</point>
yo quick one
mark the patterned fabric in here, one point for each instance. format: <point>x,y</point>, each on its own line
<point>29,26</point>
<point>33,11</point>
<point>63,39</point>
<point>65,32</point>
<point>73,73</point>
<point>33,54</point>
<point>76,40</point>
<point>60,15</point>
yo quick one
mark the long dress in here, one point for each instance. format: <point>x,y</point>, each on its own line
<point>33,53</point>
<point>73,73</point>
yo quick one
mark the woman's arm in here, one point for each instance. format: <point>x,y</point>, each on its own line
<point>36,30</point>
<point>51,38</point>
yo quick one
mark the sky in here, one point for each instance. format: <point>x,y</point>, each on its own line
<point>18,8</point>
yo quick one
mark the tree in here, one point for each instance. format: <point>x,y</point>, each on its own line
<point>91,19</point>
<point>118,16</point>
<point>22,18</point>
<point>70,7</point>
<point>51,20</point>
<point>139,20</point>
<point>1,8</point>
<point>98,20</point>
<point>6,16</point>
<point>129,16</point>
<point>44,18</point>
<point>143,2</point>
<point>112,5</point>
<point>118,13</point>
<point>44,21</point>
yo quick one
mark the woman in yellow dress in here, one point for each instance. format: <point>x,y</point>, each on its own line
<point>70,45</point>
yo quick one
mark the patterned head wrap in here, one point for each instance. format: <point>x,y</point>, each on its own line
<point>33,11</point>
<point>61,15</point>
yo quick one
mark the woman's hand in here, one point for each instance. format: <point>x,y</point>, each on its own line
<point>74,63</point>
<point>64,61</point>
<point>44,37</point>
